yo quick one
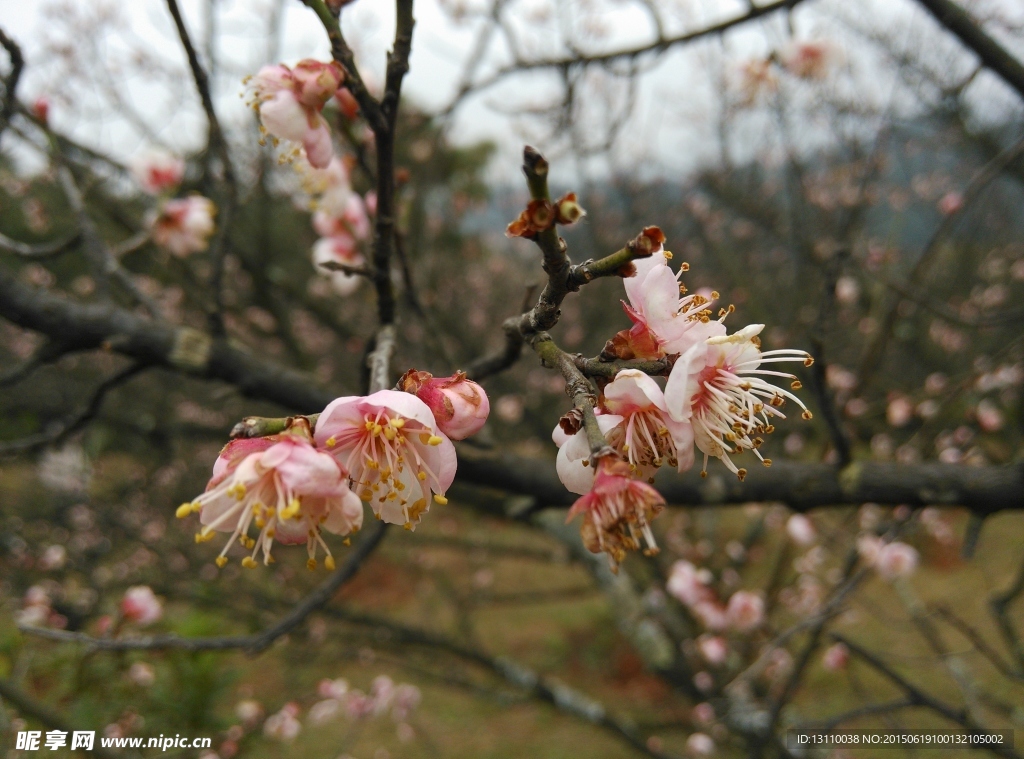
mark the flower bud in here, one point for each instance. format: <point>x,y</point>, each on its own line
<point>567,210</point>
<point>459,405</point>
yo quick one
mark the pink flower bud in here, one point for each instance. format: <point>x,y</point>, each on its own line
<point>459,405</point>
<point>835,657</point>
<point>158,171</point>
<point>315,82</point>
<point>801,530</point>
<point>41,109</point>
<point>141,606</point>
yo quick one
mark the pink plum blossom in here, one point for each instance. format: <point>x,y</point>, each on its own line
<point>801,530</point>
<point>809,59</point>
<point>950,203</point>
<point>990,418</point>
<point>290,101</point>
<point>718,387</point>
<point>328,688</point>
<point>341,250</point>
<point>281,484</point>
<point>183,226</point>
<point>617,512</point>
<point>459,405</point>
<point>141,606</point>
<point>663,321</point>
<point>396,455</point>
<point>835,657</point>
<point>688,584</point>
<point>283,725</point>
<point>699,744</point>
<point>713,648</point>
<point>895,560</point>
<point>899,412</point>
<point>745,610</point>
<point>157,171</point>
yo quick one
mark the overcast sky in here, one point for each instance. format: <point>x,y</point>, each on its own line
<point>676,124</point>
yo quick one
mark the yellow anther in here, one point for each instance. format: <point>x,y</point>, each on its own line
<point>311,565</point>
<point>408,526</point>
<point>767,462</point>
<point>376,429</point>
<point>291,509</point>
<point>369,424</point>
<point>741,474</point>
<point>434,440</point>
<point>329,564</point>
<point>260,522</point>
<point>332,441</point>
<point>389,432</point>
<point>271,533</point>
<point>421,476</point>
<point>425,437</point>
<point>372,464</point>
<point>220,561</point>
<point>345,542</point>
<point>807,415</point>
<point>183,511</point>
<point>397,423</point>
<point>249,562</point>
<point>796,384</point>
<point>809,361</point>
<point>440,500</point>
<point>684,266</point>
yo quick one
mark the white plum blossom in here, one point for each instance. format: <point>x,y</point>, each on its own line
<point>637,423</point>
<point>157,171</point>
<point>719,387</point>
<point>340,249</point>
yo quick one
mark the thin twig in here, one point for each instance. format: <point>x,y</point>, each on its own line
<point>11,80</point>
<point>252,644</point>
<point>36,252</point>
<point>227,196</point>
<point>76,421</point>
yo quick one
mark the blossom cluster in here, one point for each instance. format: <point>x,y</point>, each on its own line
<point>391,449</point>
<point>181,226</point>
<point>337,699</point>
<point>717,398</point>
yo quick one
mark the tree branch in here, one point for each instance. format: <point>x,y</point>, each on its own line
<point>11,80</point>
<point>227,195</point>
<point>992,54</point>
<point>252,644</point>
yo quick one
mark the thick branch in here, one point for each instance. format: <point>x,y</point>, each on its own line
<point>970,33</point>
<point>49,718</point>
<point>982,490</point>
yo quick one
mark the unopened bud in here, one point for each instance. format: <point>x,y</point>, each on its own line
<point>568,211</point>
<point>459,405</point>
